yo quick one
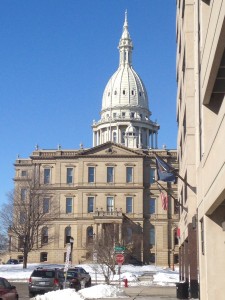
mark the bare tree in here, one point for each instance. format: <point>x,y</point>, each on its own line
<point>28,216</point>
<point>103,248</point>
<point>3,243</point>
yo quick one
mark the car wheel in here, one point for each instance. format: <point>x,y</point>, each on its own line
<point>31,294</point>
<point>78,288</point>
<point>88,284</point>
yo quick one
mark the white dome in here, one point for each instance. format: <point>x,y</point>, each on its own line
<point>125,115</point>
<point>125,89</point>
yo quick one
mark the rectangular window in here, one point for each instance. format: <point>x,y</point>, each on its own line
<point>152,175</point>
<point>23,194</point>
<point>46,205</point>
<point>129,205</point>
<point>91,174</point>
<point>69,175</point>
<point>110,174</point>
<point>23,173</point>
<point>22,217</point>
<point>43,256</point>
<point>152,236</point>
<point>129,174</point>
<point>90,204</point>
<point>47,173</point>
<point>110,204</point>
<point>152,206</point>
<point>69,205</point>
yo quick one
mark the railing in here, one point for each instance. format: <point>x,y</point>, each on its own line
<point>103,213</point>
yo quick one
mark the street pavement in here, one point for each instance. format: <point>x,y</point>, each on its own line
<point>151,292</point>
<point>137,292</point>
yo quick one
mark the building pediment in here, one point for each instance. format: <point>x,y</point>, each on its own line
<point>111,149</point>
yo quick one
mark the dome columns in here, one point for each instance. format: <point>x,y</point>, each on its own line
<point>129,135</point>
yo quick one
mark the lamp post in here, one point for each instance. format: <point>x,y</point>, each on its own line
<point>71,247</point>
<point>94,256</point>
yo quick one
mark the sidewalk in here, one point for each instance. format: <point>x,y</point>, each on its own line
<point>152,292</point>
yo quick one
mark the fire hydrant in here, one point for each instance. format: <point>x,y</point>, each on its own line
<point>125,282</point>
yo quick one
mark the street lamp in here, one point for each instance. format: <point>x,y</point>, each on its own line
<point>71,247</point>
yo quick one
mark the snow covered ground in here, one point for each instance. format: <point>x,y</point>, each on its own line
<point>132,273</point>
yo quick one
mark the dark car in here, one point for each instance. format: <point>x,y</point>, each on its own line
<point>7,291</point>
<point>73,280</point>
<point>12,261</point>
<point>44,280</point>
<point>82,275</point>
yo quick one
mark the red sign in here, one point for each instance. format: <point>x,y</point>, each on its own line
<point>119,258</point>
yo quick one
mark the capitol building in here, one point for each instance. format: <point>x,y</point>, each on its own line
<point>109,187</point>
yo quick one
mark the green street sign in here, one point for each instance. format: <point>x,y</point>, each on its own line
<point>119,248</point>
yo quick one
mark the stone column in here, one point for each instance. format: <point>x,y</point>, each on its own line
<point>156,140</point>
<point>139,137</point>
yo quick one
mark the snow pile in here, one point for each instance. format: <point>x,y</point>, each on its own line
<point>102,291</point>
<point>95,292</point>
<point>67,294</point>
<point>166,277</point>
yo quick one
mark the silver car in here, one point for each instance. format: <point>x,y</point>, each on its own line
<point>44,280</point>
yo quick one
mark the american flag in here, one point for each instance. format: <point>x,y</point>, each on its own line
<point>164,199</point>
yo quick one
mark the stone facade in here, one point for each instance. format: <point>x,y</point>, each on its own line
<point>200,115</point>
<point>81,217</point>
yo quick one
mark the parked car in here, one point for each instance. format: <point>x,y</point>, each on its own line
<point>44,280</point>
<point>12,261</point>
<point>7,291</point>
<point>73,280</point>
<point>82,274</point>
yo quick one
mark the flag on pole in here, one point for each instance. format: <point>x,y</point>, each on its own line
<point>164,170</point>
<point>164,198</point>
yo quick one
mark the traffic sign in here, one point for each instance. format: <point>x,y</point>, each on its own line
<point>119,249</point>
<point>119,259</point>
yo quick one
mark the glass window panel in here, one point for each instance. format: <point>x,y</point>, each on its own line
<point>152,236</point>
<point>152,175</point>
<point>23,173</point>
<point>90,204</point>
<point>69,175</point>
<point>129,175</point>
<point>110,203</point>
<point>46,205</point>
<point>23,194</point>
<point>47,176</point>
<point>68,205</point>
<point>129,205</point>
<point>110,174</point>
<point>91,174</point>
<point>152,206</point>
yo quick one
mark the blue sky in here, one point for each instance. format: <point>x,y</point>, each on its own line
<point>56,57</point>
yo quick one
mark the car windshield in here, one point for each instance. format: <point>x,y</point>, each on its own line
<point>43,274</point>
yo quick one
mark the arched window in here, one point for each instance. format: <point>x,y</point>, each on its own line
<point>44,235</point>
<point>67,234</point>
<point>90,235</point>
